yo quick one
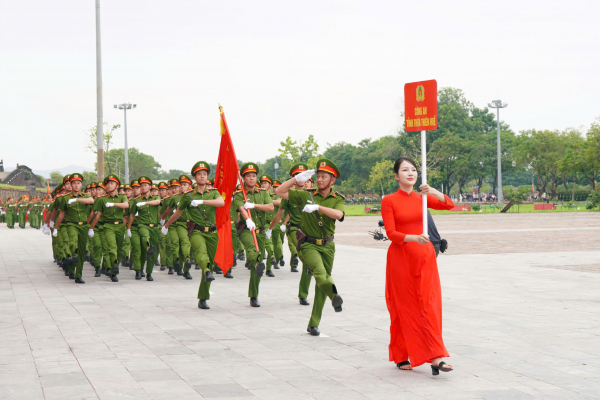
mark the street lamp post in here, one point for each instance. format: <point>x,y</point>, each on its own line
<point>99,116</point>
<point>125,107</point>
<point>276,166</point>
<point>497,104</point>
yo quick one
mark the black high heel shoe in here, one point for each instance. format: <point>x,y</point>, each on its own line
<point>403,364</point>
<point>440,367</point>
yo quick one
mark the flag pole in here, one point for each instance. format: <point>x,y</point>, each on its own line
<point>247,211</point>
<point>424,178</point>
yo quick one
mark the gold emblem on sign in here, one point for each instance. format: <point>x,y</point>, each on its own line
<point>420,93</point>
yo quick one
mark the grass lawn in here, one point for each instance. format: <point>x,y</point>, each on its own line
<point>359,210</point>
<point>2,185</point>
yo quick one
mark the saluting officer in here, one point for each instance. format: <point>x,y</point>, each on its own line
<point>259,203</point>
<point>317,249</point>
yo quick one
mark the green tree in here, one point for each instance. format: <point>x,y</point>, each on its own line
<point>108,133</point>
<point>89,176</point>
<point>56,177</point>
<point>139,164</point>
<point>290,152</point>
<point>382,174</point>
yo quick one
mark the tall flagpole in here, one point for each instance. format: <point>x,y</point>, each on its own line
<point>100,117</point>
<point>424,178</point>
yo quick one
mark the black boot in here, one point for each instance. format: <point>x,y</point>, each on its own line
<point>180,272</point>
<point>170,271</point>
<point>187,275</point>
<point>156,263</point>
<point>197,266</point>
<point>115,269</point>
<point>131,266</point>
<point>270,274</point>
<point>234,261</point>
<point>254,302</point>
<point>97,272</point>
<point>149,277</point>
<point>218,270</point>
<point>163,267</point>
<point>188,265</point>
<point>313,330</point>
<point>176,266</point>
<point>208,276</point>
<point>203,304</point>
<point>138,275</point>
<point>274,263</point>
<point>228,274</point>
<point>71,276</point>
<point>337,303</point>
<point>151,251</point>
<point>260,269</point>
<point>294,269</point>
<point>241,256</point>
<point>79,280</point>
<point>248,265</point>
<point>114,278</point>
<point>303,301</point>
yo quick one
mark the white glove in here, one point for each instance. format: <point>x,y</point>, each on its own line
<point>248,205</point>
<point>109,205</point>
<point>249,224</point>
<point>269,233</point>
<point>304,176</point>
<point>196,203</point>
<point>129,232</point>
<point>164,230</point>
<point>310,208</point>
<point>51,224</point>
<point>283,228</point>
<point>136,214</point>
<point>17,213</point>
<point>91,233</point>
<point>162,222</point>
<point>141,204</point>
<point>46,231</point>
<point>55,233</point>
<point>44,226</point>
<point>27,212</point>
<point>124,237</point>
<point>71,201</point>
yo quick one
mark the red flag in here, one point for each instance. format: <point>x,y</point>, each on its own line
<point>226,176</point>
<point>47,195</point>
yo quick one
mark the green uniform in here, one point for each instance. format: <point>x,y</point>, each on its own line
<point>96,241</point>
<point>62,239</point>
<point>75,218</point>
<point>126,249</point>
<point>180,243</point>
<point>135,257</point>
<point>256,196</point>
<point>319,258</point>
<point>146,235</point>
<point>22,214</point>
<point>164,243</point>
<point>293,224</point>
<point>204,238</point>
<point>11,213</point>
<point>111,222</point>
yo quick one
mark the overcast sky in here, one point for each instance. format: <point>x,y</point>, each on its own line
<point>335,69</point>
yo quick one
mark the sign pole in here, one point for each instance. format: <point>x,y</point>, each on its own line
<point>424,177</point>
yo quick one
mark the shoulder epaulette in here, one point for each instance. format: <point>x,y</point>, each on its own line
<point>237,191</point>
<point>339,194</point>
<point>316,191</point>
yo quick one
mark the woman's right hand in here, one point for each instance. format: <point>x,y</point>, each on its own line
<point>421,239</point>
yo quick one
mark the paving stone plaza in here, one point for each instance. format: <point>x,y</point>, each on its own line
<point>521,301</point>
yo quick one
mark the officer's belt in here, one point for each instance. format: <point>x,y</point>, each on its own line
<point>149,225</point>
<point>289,225</point>
<point>207,229</point>
<point>110,223</point>
<point>319,242</point>
<point>256,230</point>
<point>77,223</point>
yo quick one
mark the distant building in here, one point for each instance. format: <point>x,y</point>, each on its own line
<point>21,176</point>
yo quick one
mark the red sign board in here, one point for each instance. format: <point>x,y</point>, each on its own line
<point>420,106</point>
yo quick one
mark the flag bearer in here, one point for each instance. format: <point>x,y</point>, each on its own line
<point>259,204</point>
